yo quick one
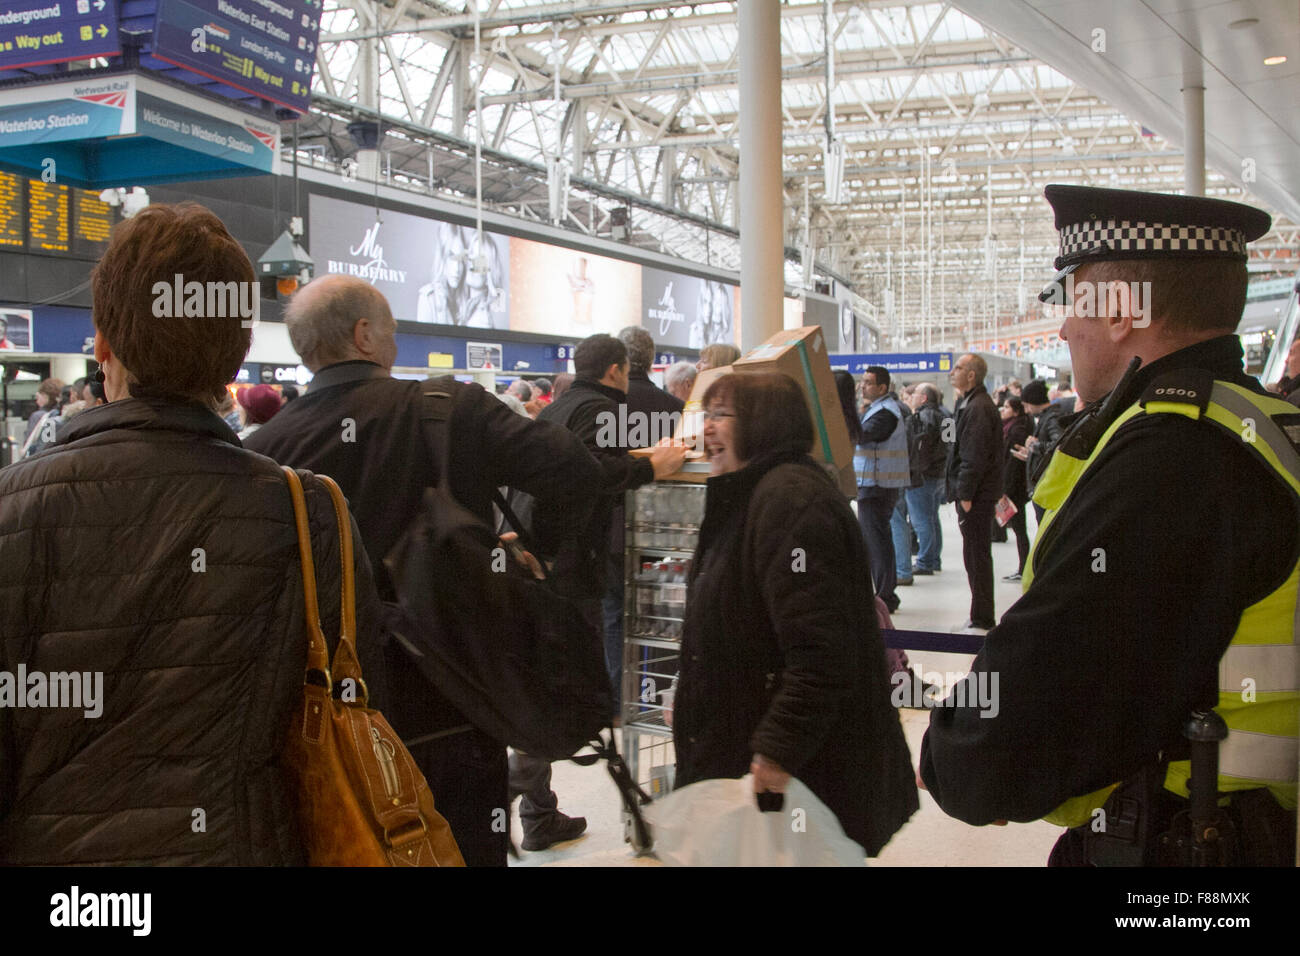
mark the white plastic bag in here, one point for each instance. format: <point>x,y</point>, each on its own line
<point>718,823</point>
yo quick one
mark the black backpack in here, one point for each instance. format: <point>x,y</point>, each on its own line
<point>516,658</point>
<point>925,442</point>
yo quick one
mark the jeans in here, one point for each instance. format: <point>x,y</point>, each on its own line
<point>875,506</point>
<point>923,508</point>
<point>901,532</point>
<point>612,613</point>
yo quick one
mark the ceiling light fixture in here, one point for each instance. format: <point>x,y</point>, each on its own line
<point>1274,60</point>
<point>1243,23</point>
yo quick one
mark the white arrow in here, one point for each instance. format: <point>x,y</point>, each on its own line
<point>99,4</point>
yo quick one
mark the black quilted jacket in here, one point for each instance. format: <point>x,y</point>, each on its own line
<point>201,651</point>
<point>781,651</point>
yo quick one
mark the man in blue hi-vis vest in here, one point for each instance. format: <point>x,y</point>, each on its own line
<point>1160,597</point>
<point>881,464</point>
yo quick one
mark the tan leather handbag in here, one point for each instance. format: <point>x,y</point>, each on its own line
<point>361,799</point>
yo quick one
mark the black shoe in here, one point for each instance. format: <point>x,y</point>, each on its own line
<point>1012,577</point>
<point>924,572</point>
<point>892,606</point>
<point>971,625</point>
<point>556,828</point>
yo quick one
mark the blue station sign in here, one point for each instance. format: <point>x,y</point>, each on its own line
<point>35,32</point>
<point>263,47</point>
<point>901,363</point>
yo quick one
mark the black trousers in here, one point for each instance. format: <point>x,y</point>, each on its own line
<point>977,553</point>
<point>875,509</point>
<point>468,776</point>
<point>1017,525</point>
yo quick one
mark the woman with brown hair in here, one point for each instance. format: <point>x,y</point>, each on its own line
<point>783,667</point>
<point>160,576</point>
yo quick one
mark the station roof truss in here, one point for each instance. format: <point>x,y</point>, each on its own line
<point>949,132</point>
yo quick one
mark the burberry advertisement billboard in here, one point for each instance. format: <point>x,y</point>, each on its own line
<point>430,271</point>
<point>686,311</point>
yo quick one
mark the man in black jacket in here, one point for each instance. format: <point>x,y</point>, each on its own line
<point>1048,428</point>
<point>589,409</point>
<point>363,428</point>
<point>975,482</point>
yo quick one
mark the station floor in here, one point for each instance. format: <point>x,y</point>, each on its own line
<point>930,838</point>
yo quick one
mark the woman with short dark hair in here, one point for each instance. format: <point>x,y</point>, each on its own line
<point>160,569</point>
<point>783,667</point>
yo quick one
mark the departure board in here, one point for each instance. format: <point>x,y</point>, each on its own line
<point>11,211</point>
<point>92,220</point>
<point>48,228</point>
<point>49,218</point>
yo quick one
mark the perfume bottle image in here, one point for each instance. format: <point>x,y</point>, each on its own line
<point>583,290</point>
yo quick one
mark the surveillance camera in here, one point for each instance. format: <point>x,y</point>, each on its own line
<point>134,202</point>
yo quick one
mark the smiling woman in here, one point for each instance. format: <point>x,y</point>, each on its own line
<point>783,667</point>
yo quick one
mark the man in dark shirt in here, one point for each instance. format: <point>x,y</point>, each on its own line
<point>975,482</point>
<point>1048,427</point>
<point>364,428</point>
<point>589,409</point>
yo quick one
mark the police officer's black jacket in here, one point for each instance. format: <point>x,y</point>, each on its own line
<point>362,427</point>
<point>1138,587</point>
<point>587,409</point>
<point>148,546</point>
<point>781,651</point>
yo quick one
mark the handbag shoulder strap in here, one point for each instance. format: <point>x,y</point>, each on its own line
<point>345,663</point>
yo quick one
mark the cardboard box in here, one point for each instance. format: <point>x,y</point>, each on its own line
<point>801,354</point>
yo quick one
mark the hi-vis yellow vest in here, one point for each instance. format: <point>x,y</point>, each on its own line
<point>1259,674</point>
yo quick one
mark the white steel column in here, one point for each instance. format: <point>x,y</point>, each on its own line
<point>1194,140</point>
<point>761,201</point>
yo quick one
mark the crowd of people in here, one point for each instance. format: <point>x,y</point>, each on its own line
<point>196,625</point>
<point>913,455</point>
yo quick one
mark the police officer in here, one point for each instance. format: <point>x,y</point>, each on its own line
<point>1164,574</point>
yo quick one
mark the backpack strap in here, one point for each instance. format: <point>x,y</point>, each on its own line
<point>436,399</point>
